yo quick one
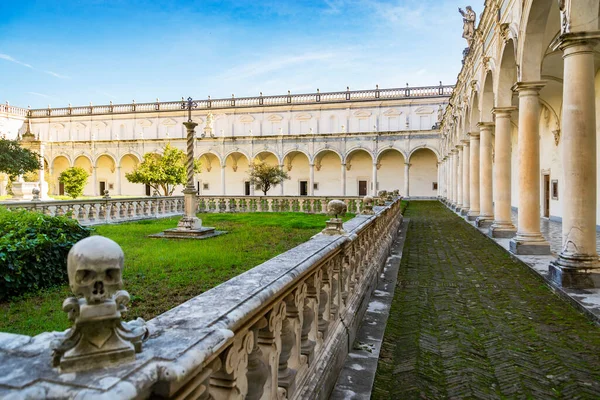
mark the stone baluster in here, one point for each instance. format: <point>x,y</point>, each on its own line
<point>81,213</point>
<point>309,335</point>
<point>258,370</point>
<point>92,213</point>
<point>102,212</point>
<point>122,210</point>
<point>230,382</point>
<point>270,205</point>
<point>114,211</point>
<point>295,362</point>
<point>270,342</point>
<point>130,210</point>
<point>325,299</point>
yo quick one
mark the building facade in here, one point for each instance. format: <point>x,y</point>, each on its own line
<point>331,144</point>
<point>521,130</point>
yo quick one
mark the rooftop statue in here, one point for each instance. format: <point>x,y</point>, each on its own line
<point>469,17</point>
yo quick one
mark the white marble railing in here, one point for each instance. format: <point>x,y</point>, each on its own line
<point>8,109</point>
<point>105,211</point>
<point>259,101</point>
<point>279,331</point>
<point>308,204</point>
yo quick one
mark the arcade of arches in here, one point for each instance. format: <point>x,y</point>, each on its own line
<point>520,132</point>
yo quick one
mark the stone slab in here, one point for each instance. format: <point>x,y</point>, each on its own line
<point>529,248</point>
<point>356,378</point>
<point>204,233</point>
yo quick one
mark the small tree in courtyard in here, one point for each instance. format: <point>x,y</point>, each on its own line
<point>162,171</point>
<point>264,176</point>
<point>16,160</point>
<point>74,180</point>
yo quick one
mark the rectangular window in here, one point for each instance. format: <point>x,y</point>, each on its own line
<point>555,189</point>
<point>205,186</point>
<point>434,186</point>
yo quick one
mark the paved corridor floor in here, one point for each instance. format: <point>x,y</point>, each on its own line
<point>467,321</point>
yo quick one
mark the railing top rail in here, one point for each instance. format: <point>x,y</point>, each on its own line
<point>257,101</point>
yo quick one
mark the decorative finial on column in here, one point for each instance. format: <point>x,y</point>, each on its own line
<point>98,337</point>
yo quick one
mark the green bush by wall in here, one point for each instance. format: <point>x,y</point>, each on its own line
<point>33,250</point>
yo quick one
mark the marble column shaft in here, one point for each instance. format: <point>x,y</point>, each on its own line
<point>459,166</point>
<point>486,206</point>
<point>502,226</point>
<point>407,179</point>
<point>474,175</point>
<point>465,176</point>
<point>578,259</point>
<point>529,239</point>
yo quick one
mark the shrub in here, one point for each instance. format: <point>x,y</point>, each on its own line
<point>33,250</point>
<point>74,179</point>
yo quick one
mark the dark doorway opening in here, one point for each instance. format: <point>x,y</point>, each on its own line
<point>303,188</point>
<point>247,188</point>
<point>362,188</point>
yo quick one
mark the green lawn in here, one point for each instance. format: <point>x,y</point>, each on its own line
<point>160,273</point>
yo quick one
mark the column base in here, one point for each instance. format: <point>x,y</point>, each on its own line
<point>458,207</point>
<point>575,271</point>
<point>464,211</point>
<point>484,221</point>
<point>502,231</point>
<point>528,247</point>
<point>472,215</point>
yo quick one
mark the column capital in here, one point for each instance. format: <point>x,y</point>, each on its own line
<point>407,165</point>
<point>473,135</point>
<point>528,88</point>
<point>576,42</point>
<point>503,111</point>
<point>485,125</point>
<point>458,146</point>
<point>465,142</point>
<point>454,151</point>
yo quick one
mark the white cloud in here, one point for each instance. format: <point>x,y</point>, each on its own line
<point>56,75</point>
<point>42,95</point>
<point>12,59</point>
<point>273,64</point>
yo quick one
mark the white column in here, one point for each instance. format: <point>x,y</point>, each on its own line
<point>118,181</point>
<point>453,177</point>
<point>474,176</point>
<point>223,182</point>
<point>343,179</point>
<point>406,180</point>
<point>577,264</point>
<point>43,184</point>
<point>465,178</point>
<point>502,226</point>
<point>374,180</point>
<point>529,239</point>
<point>311,180</point>
<point>459,164</point>
<point>281,185</point>
<point>95,182</point>
<point>251,185</point>
<point>486,211</point>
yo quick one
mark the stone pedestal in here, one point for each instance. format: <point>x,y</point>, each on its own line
<point>334,226</point>
<point>23,190</point>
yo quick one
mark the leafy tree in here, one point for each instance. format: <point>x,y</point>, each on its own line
<point>74,180</point>
<point>263,176</point>
<point>162,171</point>
<point>16,160</point>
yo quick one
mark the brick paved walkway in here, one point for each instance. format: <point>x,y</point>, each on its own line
<point>469,322</point>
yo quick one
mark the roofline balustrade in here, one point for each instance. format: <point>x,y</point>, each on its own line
<point>240,102</point>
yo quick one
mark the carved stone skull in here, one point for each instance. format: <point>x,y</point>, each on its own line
<point>368,200</point>
<point>336,208</point>
<point>95,267</point>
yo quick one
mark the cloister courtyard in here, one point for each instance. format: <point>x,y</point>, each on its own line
<point>318,240</point>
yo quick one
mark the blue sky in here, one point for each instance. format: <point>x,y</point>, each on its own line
<point>61,51</point>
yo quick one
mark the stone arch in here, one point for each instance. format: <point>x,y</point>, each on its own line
<point>506,75</point>
<point>59,164</point>
<point>211,152</point>
<point>487,98</point>
<point>328,175</point>
<point>534,40</point>
<point>297,165</point>
<point>63,155</point>
<point>390,169</point>
<point>236,151</point>
<point>322,150</point>
<point>288,152</point>
<point>237,163</point>
<point>106,173</point>
<point>266,155</point>
<point>84,161</point>
<point>127,164</point>
<point>359,171</point>
<point>353,150</point>
<point>105,154</point>
<point>423,172</point>
<point>423,147</point>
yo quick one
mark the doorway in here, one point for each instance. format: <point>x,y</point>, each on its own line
<point>247,188</point>
<point>362,188</point>
<point>547,196</point>
<point>303,188</point>
<point>61,189</point>
<point>147,190</point>
<point>102,187</point>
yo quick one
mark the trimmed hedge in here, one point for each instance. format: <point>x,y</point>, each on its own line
<point>33,250</point>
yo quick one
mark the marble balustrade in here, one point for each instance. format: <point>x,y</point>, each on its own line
<point>278,331</point>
